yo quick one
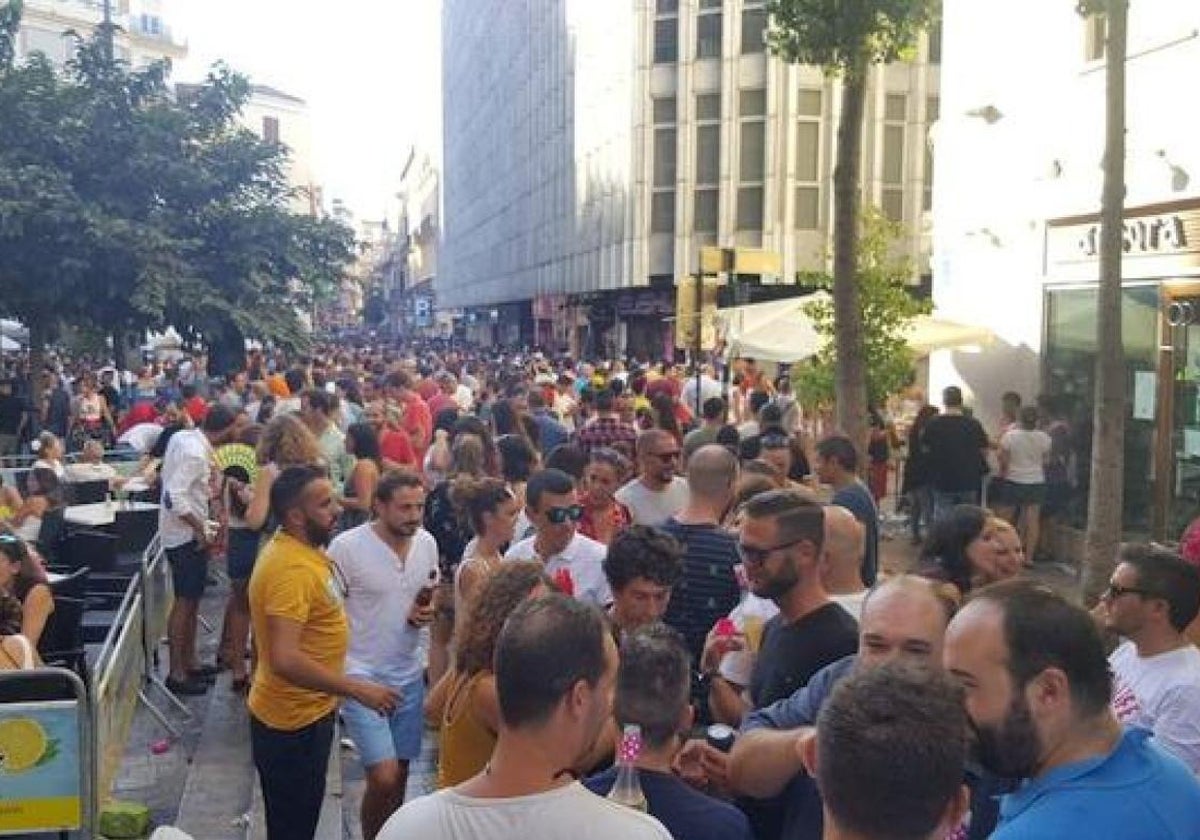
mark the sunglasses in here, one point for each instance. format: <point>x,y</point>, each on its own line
<point>752,556</point>
<point>559,515</point>
<point>1115,591</point>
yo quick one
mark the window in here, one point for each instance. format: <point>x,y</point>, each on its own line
<point>664,110</point>
<point>752,103</point>
<point>754,31</point>
<point>662,212</point>
<point>933,110</point>
<point>270,129</point>
<point>935,43</point>
<point>750,208</point>
<point>895,114</point>
<point>666,7</point>
<point>710,4</point>
<point>707,205</point>
<point>708,34</point>
<point>664,157</point>
<point>753,151</point>
<point>666,40</point>
<point>809,106</point>
<point>707,195</point>
<point>708,154</point>
<point>708,106</point>
<point>1095,37</point>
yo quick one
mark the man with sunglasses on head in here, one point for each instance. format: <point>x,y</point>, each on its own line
<point>780,542</point>
<point>658,492</point>
<point>554,511</point>
<point>1152,597</point>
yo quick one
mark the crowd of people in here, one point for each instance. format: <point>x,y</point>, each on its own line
<point>584,587</point>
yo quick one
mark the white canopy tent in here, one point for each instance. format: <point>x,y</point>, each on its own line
<point>782,331</point>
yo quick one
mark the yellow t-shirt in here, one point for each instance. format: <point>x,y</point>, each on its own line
<point>294,581</point>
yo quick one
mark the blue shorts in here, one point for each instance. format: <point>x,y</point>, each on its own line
<point>398,736</point>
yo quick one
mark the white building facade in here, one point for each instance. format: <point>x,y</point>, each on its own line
<point>1018,151</point>
<point>144,32</point>
<point>592,149</point>
<point>279,117</point>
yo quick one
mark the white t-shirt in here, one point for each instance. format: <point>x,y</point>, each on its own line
<point>379,592</point>
<point>1027,450</point>
<point>653,507</point>
<point>583,557</point>
<point>141,436</point>
<point>573,812</point>
<point>1161,693</point>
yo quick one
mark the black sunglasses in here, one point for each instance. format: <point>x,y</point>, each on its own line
<point>559,515</point>
<point>1115,591</point>
<point>752,556</point>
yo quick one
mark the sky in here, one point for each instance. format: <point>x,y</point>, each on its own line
<point>368,69</point>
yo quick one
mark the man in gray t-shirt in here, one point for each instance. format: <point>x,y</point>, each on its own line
<point>658,493</point>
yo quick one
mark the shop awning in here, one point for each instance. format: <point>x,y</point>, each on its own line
<point>782,331</point>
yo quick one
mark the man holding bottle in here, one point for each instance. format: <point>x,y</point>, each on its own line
<point>388,568</point>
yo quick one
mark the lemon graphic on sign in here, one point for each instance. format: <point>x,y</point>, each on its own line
<point>23,742</point>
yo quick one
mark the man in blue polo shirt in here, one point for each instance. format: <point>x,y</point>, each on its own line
<point>1038,691</point>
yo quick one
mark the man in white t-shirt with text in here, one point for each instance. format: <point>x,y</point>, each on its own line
<point>659,492</point>
<point>1152,596</point>
<point>388,570</point>
<point>556,672</point>
<point>554,510</point>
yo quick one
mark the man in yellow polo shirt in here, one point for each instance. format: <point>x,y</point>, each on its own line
<point>300,624</point>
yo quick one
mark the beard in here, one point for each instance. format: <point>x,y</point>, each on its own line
<point>318,535</point>
<point>1011,749</point>
<point>776,586</point>
<point>401,530</point>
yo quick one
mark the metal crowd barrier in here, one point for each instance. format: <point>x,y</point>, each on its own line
<point>47,737</point>
<point>126,668</point>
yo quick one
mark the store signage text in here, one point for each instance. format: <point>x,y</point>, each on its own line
<point>1141,236</point>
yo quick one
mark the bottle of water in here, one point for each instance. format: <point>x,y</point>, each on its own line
<point>627,790</point>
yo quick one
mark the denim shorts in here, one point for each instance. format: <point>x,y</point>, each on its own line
<point>189,570</point>
<point>397,736</point>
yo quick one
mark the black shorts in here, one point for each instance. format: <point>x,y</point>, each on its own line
<point>189,570</point>
<point>1024,495</point>
<point>241,553</point>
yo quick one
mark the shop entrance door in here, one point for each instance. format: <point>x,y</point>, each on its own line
<point>1177,444</point>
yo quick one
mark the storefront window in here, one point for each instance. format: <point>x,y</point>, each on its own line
<point>1068,379</point>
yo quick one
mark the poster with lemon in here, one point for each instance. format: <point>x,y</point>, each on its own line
<point>39,767</point>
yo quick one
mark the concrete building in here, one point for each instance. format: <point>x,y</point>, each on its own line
<point>1016,208</point>
<point>591,150</point>
<point>414,302</point>
<point>279,117</point>
<point>144,33</point>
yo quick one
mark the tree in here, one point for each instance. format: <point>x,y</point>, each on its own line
<point>125,206</point>
<point>1106,493</point>
<point>886,308</point>
<point>846,38</point>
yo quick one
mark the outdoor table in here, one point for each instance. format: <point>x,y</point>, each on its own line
<point>100,514</point>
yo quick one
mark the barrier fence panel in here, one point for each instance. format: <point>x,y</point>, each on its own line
<point>47,753</point>
<point>117,687</point>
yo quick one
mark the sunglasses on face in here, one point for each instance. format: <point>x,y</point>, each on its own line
<point>1115,591</point>
<point>754,556</point>
<point>559,515</point>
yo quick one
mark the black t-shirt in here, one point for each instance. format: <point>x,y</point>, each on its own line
<point>858,500</point>
<point>708,588</point>
<point>686,813</point>
<point>792,653</point>
<point>12,409</point>
<point>953,445</point>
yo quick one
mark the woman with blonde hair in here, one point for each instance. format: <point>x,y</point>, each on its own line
<point>285,442</point>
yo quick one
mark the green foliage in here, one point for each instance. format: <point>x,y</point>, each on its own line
<point>888,308</point>
<point>844,36</point>
<point>125,207</point>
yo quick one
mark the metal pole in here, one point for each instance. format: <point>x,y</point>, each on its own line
<point>109,48</point>
<point>697,345</point>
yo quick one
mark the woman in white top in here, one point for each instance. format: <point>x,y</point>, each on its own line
<point>49,450</point>
<point>491,510</point>
<point>1024,449</point>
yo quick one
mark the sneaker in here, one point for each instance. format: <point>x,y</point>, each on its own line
<point>187,688</point>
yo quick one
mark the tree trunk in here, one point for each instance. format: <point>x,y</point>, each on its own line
<point>1106,492</point>
<point>850,387</point>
